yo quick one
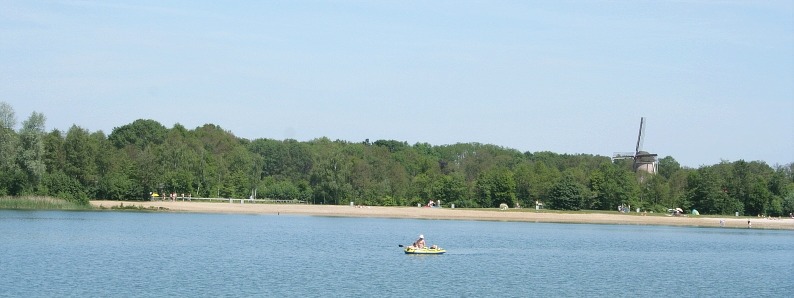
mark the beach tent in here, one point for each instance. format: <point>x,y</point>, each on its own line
<point>695,212</point>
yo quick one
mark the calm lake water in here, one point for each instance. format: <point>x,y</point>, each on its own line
<point>129,254</point>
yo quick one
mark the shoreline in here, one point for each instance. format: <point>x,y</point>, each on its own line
<point>512,215</point>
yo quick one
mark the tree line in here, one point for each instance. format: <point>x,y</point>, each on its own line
<point>144,157</point>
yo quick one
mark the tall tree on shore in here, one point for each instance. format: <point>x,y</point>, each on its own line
<point>8,118</point>
<point>141,133</point>
<point>31,156</point>
<point>9,147</point>
<point>450,189</point>
<point>567,194</point>
<point>330,178</point>
<point>81,151</point>
<point>541,178</point>
<point>614,185</point>
<point>496,187</point>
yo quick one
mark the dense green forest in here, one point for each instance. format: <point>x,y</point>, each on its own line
<point>142,157</point>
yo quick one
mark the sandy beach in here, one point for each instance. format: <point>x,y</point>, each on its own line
<point>525,215</point>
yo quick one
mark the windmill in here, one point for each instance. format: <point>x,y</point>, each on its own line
<point>643,160</point>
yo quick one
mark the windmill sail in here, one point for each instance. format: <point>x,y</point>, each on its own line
<point>640,137</point>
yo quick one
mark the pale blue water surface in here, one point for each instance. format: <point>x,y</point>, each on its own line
<point>129,254</point>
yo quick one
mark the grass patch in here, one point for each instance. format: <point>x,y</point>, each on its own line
<point>39,203</point>
<point>134,207</point>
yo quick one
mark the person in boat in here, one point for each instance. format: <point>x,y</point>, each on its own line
<point>419,243</point>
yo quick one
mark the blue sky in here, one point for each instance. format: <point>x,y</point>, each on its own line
<point>715,79</point>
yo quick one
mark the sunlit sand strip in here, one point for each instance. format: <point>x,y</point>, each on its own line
<point>461,214</point>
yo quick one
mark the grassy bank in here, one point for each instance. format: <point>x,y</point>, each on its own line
<point>132,207</point>
<point>40,203</point>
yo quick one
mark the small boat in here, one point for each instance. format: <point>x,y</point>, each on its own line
<point>424,251</point>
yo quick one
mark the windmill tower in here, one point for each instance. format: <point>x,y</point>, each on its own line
<point>643,160</point>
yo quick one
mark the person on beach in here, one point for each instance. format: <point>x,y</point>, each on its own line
<point>419,243</point>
